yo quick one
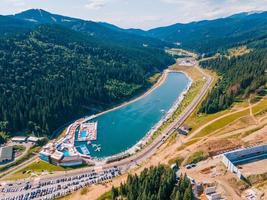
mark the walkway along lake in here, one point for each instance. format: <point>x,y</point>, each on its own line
<point>124,127</point>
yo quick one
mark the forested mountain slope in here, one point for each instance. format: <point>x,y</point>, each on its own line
<point>100,31</point>
<point>241,76</point>
<point>12,26</point>
<point>52,74</point>
<point>209,36</point>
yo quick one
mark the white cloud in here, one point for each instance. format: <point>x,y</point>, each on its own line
<point>195,10</point>
<point>95,4</point>
<point>16,3</point>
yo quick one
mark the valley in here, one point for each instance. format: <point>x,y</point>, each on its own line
<point>104,110</point>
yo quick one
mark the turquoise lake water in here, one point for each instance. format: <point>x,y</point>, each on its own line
<point>121,129</point>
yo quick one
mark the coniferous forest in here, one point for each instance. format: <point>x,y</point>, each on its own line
<point>52,74</point>
<point>240,76</point>
<point>155,183</point>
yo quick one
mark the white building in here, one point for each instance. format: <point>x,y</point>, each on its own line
<point>34,139</point>
<point>242,156</point>
<point>19,139</point>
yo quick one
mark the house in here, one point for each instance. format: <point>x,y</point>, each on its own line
<point>184,130</point>
<point>6,153</point>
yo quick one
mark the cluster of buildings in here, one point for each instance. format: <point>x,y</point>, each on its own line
<point>24,139</point>
<point>64,152</point>
<point>7,152</point>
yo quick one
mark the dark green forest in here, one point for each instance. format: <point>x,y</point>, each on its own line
<point>210,36</point>
<point>155,183</point>
<point>240,76</point>
<point>52,74</point>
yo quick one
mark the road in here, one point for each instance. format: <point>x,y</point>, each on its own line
<point>150,149</point>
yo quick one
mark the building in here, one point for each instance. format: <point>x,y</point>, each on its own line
<point>56,157</point>
<point>45,156</point>
<point>71,161</point>
<point>61,154</point>
<point>243,156</point>
<point>211,193</point>
<point>19,139</point>
<point>34,139</point>
<point>184,130</point>
<point>6,153</point>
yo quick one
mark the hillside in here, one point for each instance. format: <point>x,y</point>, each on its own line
<point>100,31</point>
<point>52,75</point>
<point>209,36</point>
<point>241,76</point>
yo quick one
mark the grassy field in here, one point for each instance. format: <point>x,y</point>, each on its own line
<point>105,196</point>
<point>197,157</point>
<point>177,160</point>
<point>187,144</point>
<point>221,123</point>
<point>37,168</point>
<point>261,107</point>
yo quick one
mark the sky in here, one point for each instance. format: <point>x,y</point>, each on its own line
<point>144,14</point>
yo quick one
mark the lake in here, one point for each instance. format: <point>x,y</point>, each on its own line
<point>122,128</point>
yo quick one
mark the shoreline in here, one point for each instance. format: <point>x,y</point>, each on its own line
<point>159,82</point>
<point>148,136</point>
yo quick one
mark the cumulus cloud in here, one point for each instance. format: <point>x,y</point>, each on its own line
<point>95,4</point>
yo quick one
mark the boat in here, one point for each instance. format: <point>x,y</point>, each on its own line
<point>98,149</point>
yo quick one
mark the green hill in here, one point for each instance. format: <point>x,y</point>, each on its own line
<point>53,74</point>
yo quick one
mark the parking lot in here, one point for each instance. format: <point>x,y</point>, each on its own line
<point>51,189</point>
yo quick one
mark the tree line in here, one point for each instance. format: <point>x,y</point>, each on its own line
<point>155,183</point>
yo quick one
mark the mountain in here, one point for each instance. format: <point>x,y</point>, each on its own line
<point>210,36</point>
<point>53,70</point>
<point>99,30</point>
<point>40,16</point>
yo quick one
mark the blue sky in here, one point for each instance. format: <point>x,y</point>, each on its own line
<point>143,14</point>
